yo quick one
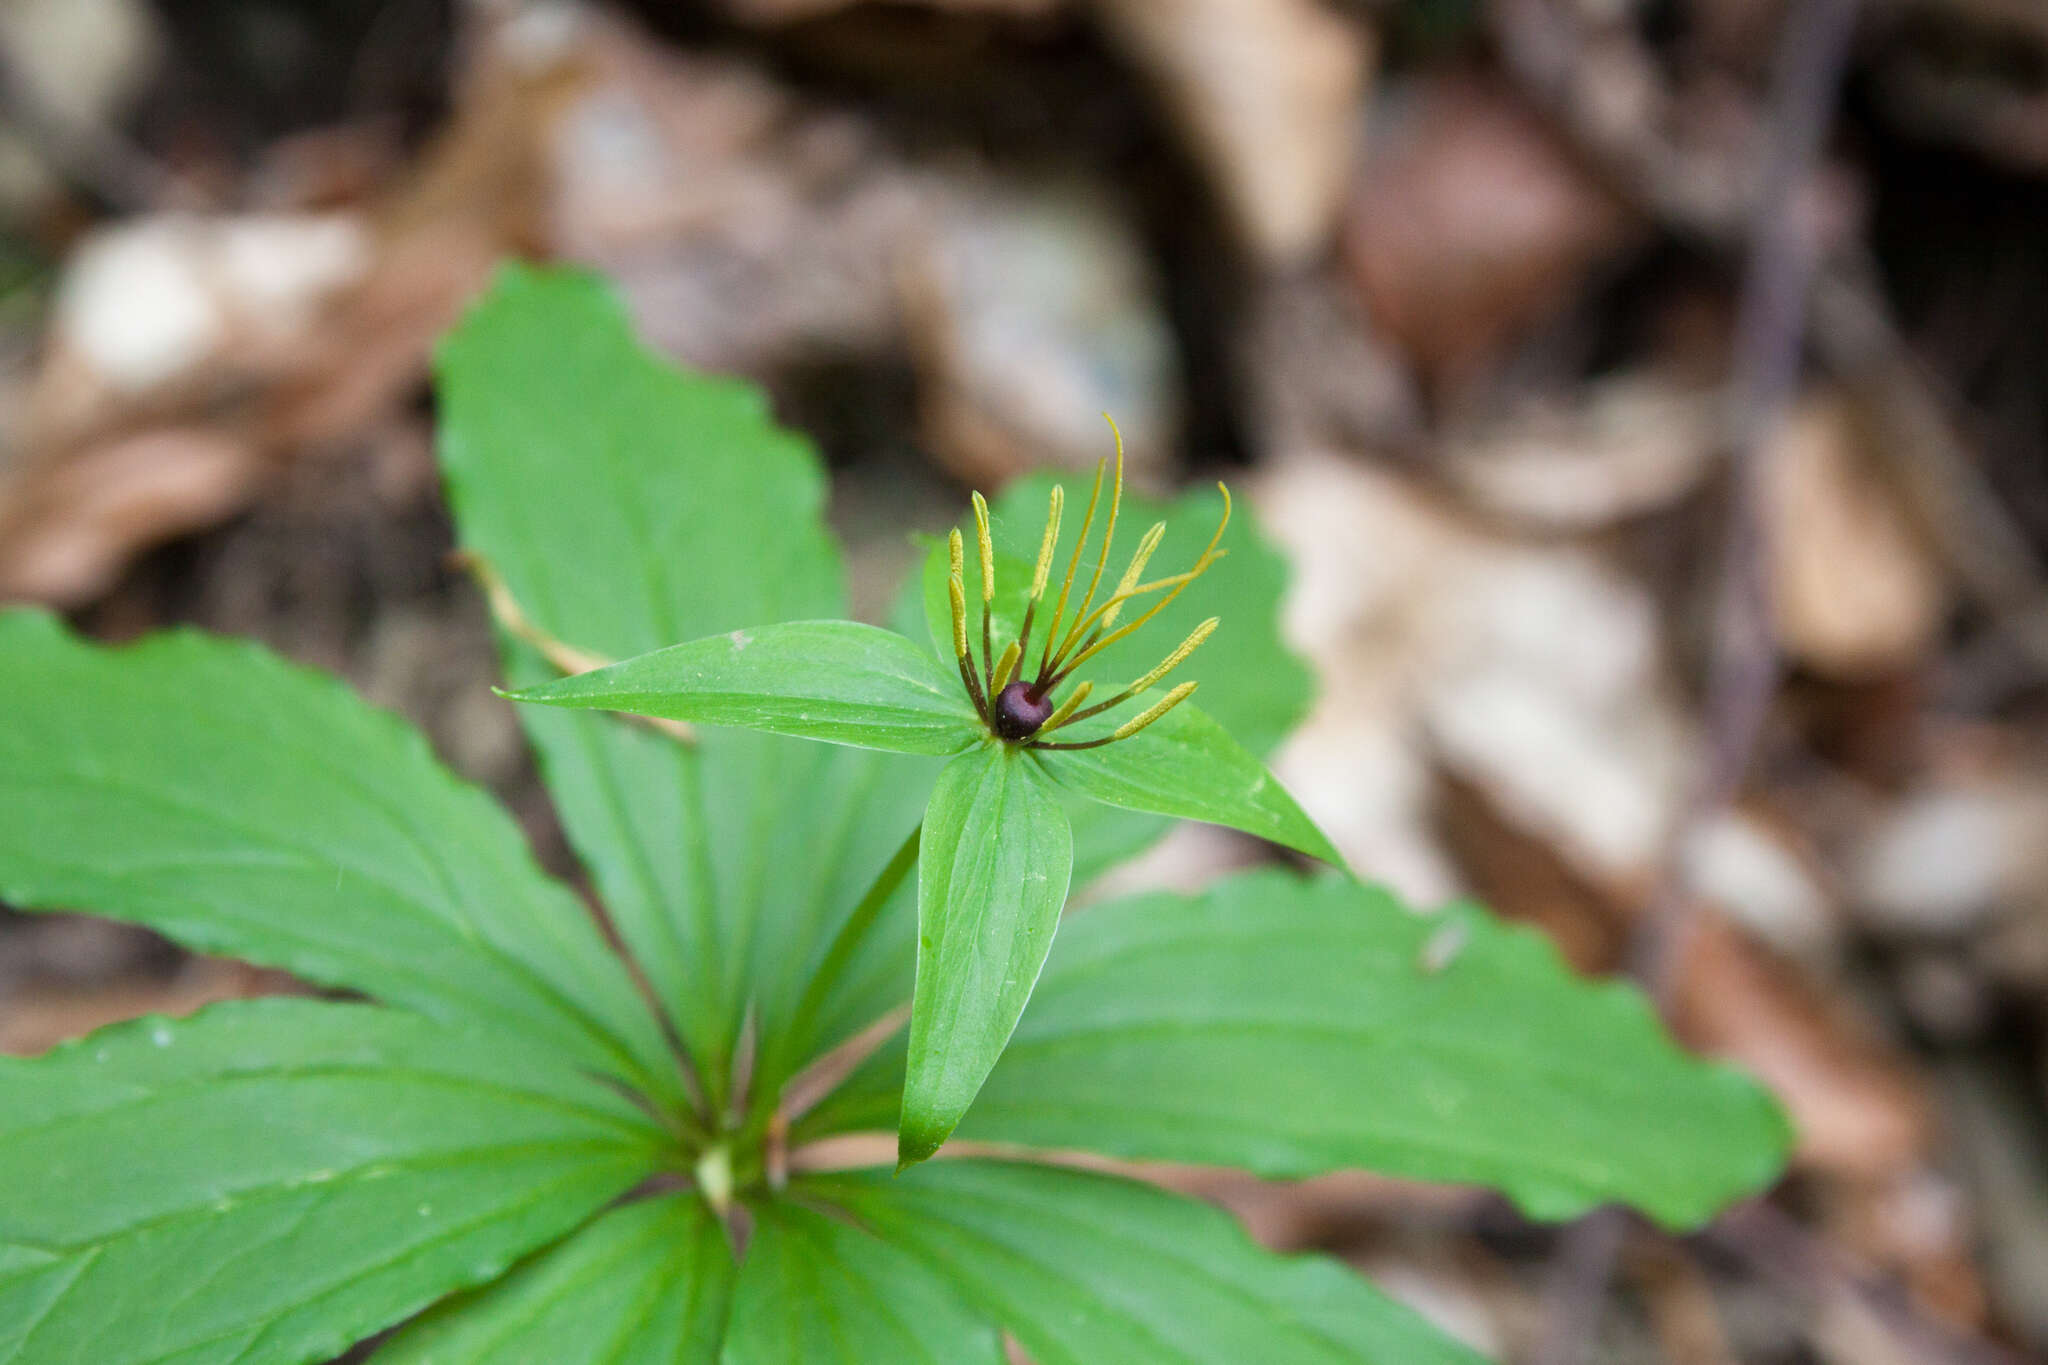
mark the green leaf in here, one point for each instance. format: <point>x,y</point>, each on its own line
<point>244,806</point>
<point>1085,1268</point>
<point>815,1291</point>
<point>991,877</point>
<point>1186,765</point>
<point>837,681</point>
<point>629,506</point>
<point>1293,1027</point>
<point>270,1181</point>
<point>648,1283</point>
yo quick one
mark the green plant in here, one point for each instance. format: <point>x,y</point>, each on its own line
<point>523,1154</point>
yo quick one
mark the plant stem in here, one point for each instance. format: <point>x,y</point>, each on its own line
<point>805,1020</point>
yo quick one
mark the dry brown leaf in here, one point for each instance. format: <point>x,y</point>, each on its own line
<point>1761,871</point>
<point>1362,545</point>
<point>175,310</point>
<point>67,530</point>
<point>1916,1229</point>
<point>1854,591</point>
<point>1267,93</point>
<point>1534,670</point>
<point>36,1021</point>
<point>1679,1300</point>
<point>1858,1111</point>
<point>1470,224</point>
<point>82,63</point>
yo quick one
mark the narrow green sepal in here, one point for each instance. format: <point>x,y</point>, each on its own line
<point>837,681</point>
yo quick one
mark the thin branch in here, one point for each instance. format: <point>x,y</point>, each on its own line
<point>1784,257</point>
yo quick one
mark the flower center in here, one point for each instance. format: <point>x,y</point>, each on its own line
<point>1014,700</point>
<point>1017,714</point>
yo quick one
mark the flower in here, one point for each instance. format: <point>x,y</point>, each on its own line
<point>1023,711</point>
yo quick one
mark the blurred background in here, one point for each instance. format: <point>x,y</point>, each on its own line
<point>1649,393</point>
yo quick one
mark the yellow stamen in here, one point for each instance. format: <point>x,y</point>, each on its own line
<point>1179,581</point>
<point>1154,711</point>
<point>957,592</point>
<point>1178,657</point>
<point>1006,665</point>
<point>1116,499</point>
<point>1067,708</point>
<point>1052,630</point>
<point>959,619</point>
<point>987,548</point>
<point>1146,546</point>
<point>1052,539</point>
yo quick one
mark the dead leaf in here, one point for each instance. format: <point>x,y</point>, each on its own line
<point>67,530</point>
<point>1470,224</point>
<point>1267,94</point>
<point>1854,591</point>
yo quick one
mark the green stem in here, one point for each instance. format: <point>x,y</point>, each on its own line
<point>826,979</point>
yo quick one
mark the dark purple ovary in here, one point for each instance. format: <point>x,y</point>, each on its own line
<point>1018,714</point>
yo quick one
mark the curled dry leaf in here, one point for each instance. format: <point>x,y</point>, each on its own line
<point>67,529</point>
<point>1267,94</point>
<point>1471,224</point>
<point>1854,590</point>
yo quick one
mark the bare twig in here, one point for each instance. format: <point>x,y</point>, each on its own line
<point>1549,51</point>
<point>1784,255</point>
